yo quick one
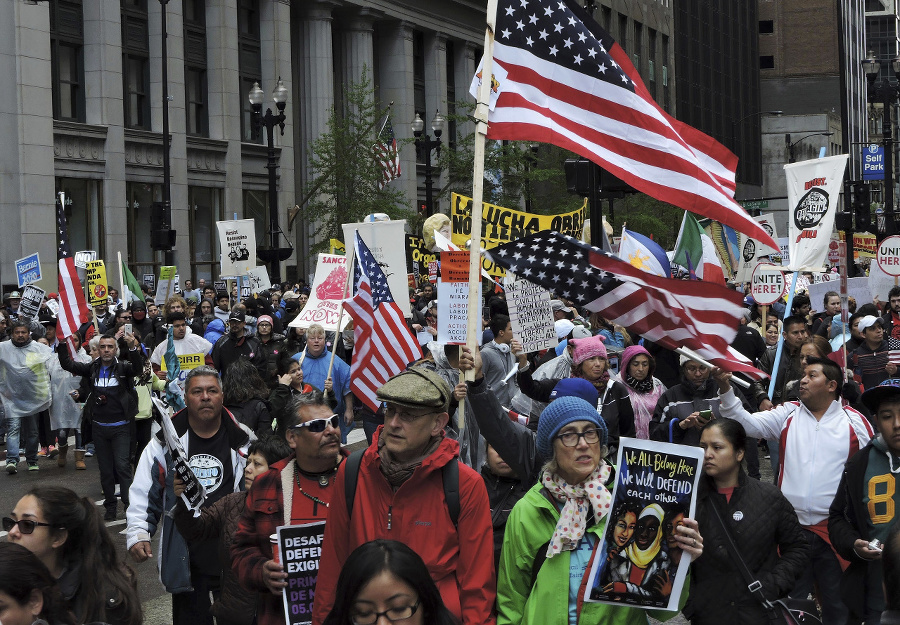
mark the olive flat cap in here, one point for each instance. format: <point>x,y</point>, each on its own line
<point>417,388</point>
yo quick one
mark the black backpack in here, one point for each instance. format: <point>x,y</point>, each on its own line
<point>449,475</point>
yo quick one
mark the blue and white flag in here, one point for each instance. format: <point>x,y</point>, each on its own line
<point>644,253</point>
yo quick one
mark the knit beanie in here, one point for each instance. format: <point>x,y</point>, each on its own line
<point>632,351</point>
<point>560,413</point>
<point>588,348</point>
<point>575,387</point>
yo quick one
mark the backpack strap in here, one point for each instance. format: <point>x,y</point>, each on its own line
<point>351,477</point>
<point>450,477</point>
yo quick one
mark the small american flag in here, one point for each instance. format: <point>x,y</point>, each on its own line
<point>672,313</point>
<point>386,154</point>
<point>72,304</point>
<point>383,344</point>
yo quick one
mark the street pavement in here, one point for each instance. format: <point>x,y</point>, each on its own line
<point>156,602</point>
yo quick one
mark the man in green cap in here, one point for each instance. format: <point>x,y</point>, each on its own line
<point>409,486</point>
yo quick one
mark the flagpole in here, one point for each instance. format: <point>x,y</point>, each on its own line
<point>702,361</point>
<point>122,290</point>
<point>778,352</point>
<point>347,292</point>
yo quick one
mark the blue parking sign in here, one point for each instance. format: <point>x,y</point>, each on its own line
<point>873,162</point>
<point>28,270</point>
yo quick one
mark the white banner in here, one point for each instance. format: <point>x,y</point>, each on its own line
<point>324,305</point>
<point>813,188</point>
<point>258,279</point>
<point>237,240</point>
<point>752,251</point>
<point>387,242</point>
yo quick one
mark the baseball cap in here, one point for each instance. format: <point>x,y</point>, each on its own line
<point>563,327</point>
<point>874,396</point>
<point>556,304</point>
<point>580,332</point>
<point>236,315</point>
<point>868,321</point>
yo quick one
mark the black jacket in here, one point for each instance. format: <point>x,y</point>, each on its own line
<point>125,372</point>
<point>789,369</point>
<point>227,350</point>
<point>768,537</point>
<point>255,414</point>
<point>678,402</point>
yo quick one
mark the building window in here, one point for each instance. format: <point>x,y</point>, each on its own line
<point>67,59</point>
<point>83,214</point>
<point>256,207</point>
<point>195,89</point>
<point>249,63</point>
<point>766,27</point>
<point>206,209</point>
<point>638,44</point>
<point>767,62</point>
<point>136,64</point>
<point>623,31</point>
<point>139,198</point>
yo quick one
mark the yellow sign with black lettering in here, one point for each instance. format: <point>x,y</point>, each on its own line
<point>186,361</point>
<point>501,225</point>
<point>95,276</point>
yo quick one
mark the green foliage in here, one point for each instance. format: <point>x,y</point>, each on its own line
<point>517,174</point>
<point>344,188</point>
<point>648,216</point>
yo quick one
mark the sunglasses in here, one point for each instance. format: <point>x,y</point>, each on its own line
<point>26,526</point>
<point>318,425</point>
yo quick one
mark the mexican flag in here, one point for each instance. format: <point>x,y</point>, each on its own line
<point>696,251</point>
<point>131,288</point>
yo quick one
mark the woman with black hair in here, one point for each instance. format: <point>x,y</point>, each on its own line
<point>67,534</point>
<point>387,578</point>
<point>28,593</point>
<point>245,396</point>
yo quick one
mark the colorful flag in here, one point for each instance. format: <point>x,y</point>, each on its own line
<point>386,154</point>
<point>644,253</point>
<point>673,313</point>
<point>174,393</point>
<point>695,251</point>
<point>559,78</point>
<point>383,344</point>
<point>72,305</point>
<point>132,286</point>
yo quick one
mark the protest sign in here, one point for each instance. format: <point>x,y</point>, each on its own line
<point>237,240</point>
<point>387,242</point>
<point>245,291</point>
<point>656,487</point>
<point>84,257</point>
<point>453,298</point>
<point>95,274</point>
<point>530,314</point>
<point>766,285</point>
<point>165,287</point>
<point>752,251</point>
<point>176,284</point>
<point>418,258</point>
<point>336,246</point>
<point>32,297</point>
<point>879,284</point>
<point>324,305</point>
<point>888,255</point>
<point>501,225</point>
<point>150,281</point>
<point>813,188</point>
<point>28,269</point>
<point>300,547</point>
<point>53,305</point>
<point>864,246</point>
<point>258,280</point>
<point>186,362</point>
<point>221,286</point>
<point>194,488</point>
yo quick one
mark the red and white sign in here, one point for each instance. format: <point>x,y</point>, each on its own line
<point>767,285</point>
<point>888,255</point>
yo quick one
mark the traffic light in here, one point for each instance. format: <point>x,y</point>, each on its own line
<point>162,237</point>
<point>862,212</point>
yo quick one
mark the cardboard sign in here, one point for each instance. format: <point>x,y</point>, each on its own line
<point>237,240</point>
<point>530,314</point>
<point>387,242</point>
<point>453,298</point>
<point>258,280</point>
<point>150,281</point>
<point>98,291</point>
<point>83,258</point>
<point>888,255</point>
<point>324,305</point>
<point>300,547</point>
<point>28,269</point>
<point>165,288</point>
<point>32,297</point>
<point>655,483</point>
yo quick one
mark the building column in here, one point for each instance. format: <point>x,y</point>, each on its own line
<point>357,49</point>
<point>395,62</point>
<point>104,107</point>
<point>467,57</point>
<point>26,123</point>
<point>436,95</point>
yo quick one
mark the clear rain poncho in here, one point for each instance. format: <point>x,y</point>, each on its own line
<point>64,412</point>
<point>24,378</point>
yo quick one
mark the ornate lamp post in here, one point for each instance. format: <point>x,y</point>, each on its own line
<point>424,145</point>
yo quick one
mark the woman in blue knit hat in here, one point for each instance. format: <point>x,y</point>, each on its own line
<point>553,531</point>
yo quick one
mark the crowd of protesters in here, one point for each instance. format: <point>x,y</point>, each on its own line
<point>477,502</point>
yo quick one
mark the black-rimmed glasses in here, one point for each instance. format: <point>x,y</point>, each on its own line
<point>26,526</point>
<point>571,439</point>
<point>393,615</point>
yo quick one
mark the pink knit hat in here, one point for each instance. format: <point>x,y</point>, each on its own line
<point>630,352</point>
<point>588,348</point>
<point>265,318</point>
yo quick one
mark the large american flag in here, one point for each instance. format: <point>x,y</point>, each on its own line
<point>559,78</point>
<point>383,344</point>
<point>672,313</point>
<point>72,304</point>
<point>386,154</point>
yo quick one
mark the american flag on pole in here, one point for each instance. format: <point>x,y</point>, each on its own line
<point>386,154</point>
<point>559,78</point>
<point>72,304</point>
<point>384,345</point>
<point>673,313</point>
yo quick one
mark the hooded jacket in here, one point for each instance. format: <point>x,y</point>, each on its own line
<point>416,514</point>
<point>214,331</point>
<point>677,403</point>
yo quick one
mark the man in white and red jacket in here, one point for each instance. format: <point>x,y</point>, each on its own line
<point>817,436</point>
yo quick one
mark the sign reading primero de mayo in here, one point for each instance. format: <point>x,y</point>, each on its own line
<point>237,240</point>
<point>501,225</point>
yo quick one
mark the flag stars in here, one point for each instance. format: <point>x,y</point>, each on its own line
<point>531,259</point>
<point>553,50</point>
<point>529,41</point>
<point>520,25</point>
<point>592,53</point>
<point>567,43</point>
<point>572,21</point>
<point>506,33</point>
<point>582,37</point>
<point>624,78</point>
<point>517,256</point>
<point>578,59</point>
<point>533,19</point>
<point>543,34</point>
<point>557,27</point>
<point>524,3</point>
<point>548,11</point>
<point>510,10</point>
<point>602,68</point>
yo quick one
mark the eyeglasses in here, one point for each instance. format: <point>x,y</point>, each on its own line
<point>407,417</point>
<point>26,526</point>
<point>393,615</point>
<point>318,425</point>
<point>126,317</point>
<point>571,439</point>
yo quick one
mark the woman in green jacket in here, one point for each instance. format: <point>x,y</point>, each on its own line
<point>556,529</point>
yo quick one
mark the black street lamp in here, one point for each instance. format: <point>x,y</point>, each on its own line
<point>424,146</point>
<point>274,254</point>
<point>790,146</point>
<point>887,94</point>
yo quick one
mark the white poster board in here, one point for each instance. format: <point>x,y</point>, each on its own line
<point>453,299</point>
<point>752,251</point>
<point>387,242</point>
<point>324,305</point>
<point>258,279</point>
<point>530,314</point>
<point>237,240</point>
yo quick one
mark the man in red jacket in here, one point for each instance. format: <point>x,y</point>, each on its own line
<point>400,495</point>
<point>293,491</point>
